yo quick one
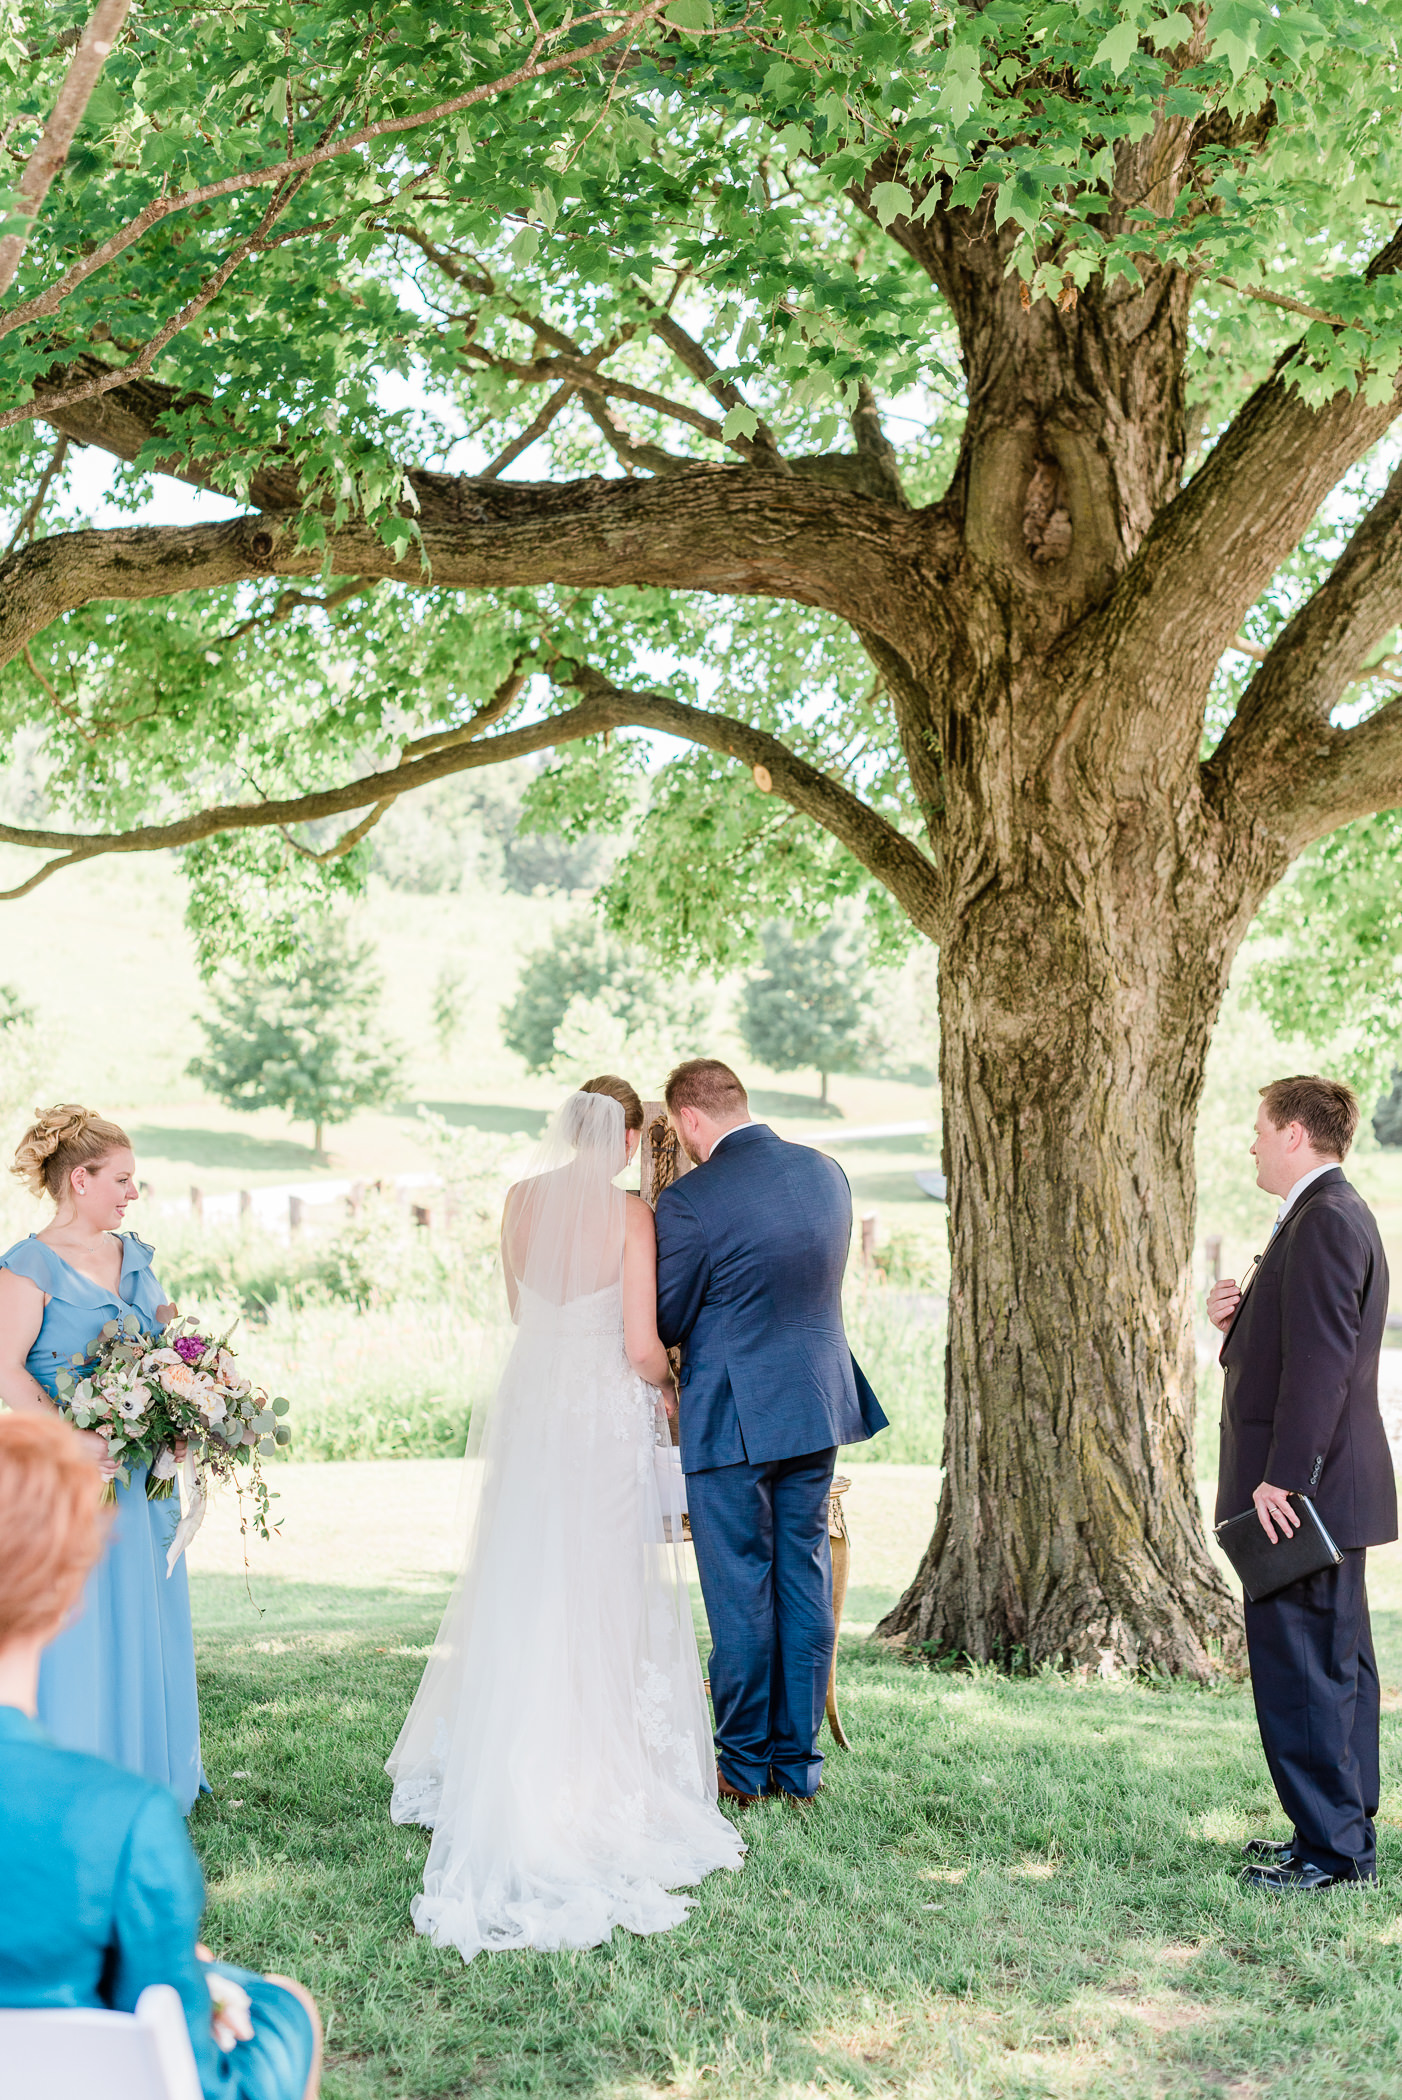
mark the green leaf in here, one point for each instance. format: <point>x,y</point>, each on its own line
<point>1117,48</point>
<point>890,200</point>
<point>697,16</point>
<point>741,422</point>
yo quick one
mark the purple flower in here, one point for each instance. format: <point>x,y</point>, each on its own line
<point>189,1348</point>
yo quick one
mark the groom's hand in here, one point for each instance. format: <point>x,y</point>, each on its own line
<point>1222,1302</point>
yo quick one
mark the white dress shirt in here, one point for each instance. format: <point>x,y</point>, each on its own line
<point>728,1133</point>
<point>1299,1189</point>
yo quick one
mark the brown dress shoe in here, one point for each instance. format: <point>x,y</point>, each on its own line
<point>728,1792</point>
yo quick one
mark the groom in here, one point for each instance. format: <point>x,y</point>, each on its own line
<point>751,1251</point>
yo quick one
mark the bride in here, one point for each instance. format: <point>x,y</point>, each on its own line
<point>559,1746</point>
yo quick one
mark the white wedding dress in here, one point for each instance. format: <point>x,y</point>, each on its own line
<point>559,1746</point>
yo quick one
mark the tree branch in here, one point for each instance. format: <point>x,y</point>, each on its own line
<point>1280,761</point>
<point>892,858</point>
<point>538,426</point>
<point>48,157</point>
<point>162,207</point>
<point>1211,552</point>
<point>289,602</point>
<point>141,364</point>
<point>25,528</point>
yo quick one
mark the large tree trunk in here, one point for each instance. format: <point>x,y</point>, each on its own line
<point>1069,1524</point>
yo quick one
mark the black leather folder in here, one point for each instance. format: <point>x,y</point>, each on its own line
<point>1265,1568</point>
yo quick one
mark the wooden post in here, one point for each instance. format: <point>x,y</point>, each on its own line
<point>245,1202</point>
<point>422,1215</point>
<point>197,1204</point>
<point>1213,1244</point>
<point>294,1213</point>
<point>869,1225</point>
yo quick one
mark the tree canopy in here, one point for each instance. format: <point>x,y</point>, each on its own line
<point>325,259</point>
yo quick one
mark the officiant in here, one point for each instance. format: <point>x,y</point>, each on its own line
<point>1300,1415</point>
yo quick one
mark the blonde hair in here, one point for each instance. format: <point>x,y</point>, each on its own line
<point>60,1139</point>
<point>618,1090</point>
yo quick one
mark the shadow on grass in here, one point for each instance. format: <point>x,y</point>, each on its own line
<point>924,1147</point>
<point>269,1607</point>
<point>765,1101</point>
<point>221,1148</point>
<point>1009,1890</point>
<point>482,1115</point>
<point>893,1188</point>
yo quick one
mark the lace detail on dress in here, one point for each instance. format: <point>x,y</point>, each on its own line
<point>654,1701</point>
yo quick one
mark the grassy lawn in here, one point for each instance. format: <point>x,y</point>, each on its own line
<point>1007,1888</point>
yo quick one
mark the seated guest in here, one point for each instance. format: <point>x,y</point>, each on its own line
<point>100,1892</point>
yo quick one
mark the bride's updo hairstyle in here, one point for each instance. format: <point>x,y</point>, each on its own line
<point>60,1139</point>
<point>617,1090</point>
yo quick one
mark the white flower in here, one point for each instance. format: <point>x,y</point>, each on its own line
<point>162,1356</point>
<point>212,1407</point>
<point>164,1467</point>
<point>130,1405</point>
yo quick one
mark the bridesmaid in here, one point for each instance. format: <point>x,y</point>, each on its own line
<point>119,1681</point>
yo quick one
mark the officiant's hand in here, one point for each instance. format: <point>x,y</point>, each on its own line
<point>1222,1302</point>
<point>1274,1504</point>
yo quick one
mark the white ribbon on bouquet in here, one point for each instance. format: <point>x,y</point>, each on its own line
<point>193,1517</point>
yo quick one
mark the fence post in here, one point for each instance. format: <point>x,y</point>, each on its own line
<point>1213,1245</point>
<point>245,1202</point>
<point>294,1213</point>
<point>869,1224</point>
<point>197,1204</point>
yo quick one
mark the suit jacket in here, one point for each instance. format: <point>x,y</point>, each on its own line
<point>1300,1400</point>
<point>751,1251</point>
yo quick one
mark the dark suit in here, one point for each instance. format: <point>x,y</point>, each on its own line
<point>751,1251</point>
<point>1300,1410</point>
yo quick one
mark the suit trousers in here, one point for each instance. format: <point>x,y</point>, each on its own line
<point>1315,1683</point>
<point>761,1538</point>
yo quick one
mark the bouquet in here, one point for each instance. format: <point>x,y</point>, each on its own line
<point>146,1393</point>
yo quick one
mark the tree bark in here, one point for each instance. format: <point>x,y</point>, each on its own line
<point>1071,1067</point>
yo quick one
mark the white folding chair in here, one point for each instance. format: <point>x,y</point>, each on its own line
<point>85,2055</point>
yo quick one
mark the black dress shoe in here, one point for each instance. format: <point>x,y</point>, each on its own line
<point>1269,1852</point>
<point>1298,1878</point>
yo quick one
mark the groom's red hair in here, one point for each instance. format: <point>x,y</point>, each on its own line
<point>709,1087</point>
<point>52,1528</point>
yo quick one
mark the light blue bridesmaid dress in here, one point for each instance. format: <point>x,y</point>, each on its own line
<point>119,1681</point>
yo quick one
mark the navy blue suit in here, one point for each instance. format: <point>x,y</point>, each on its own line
<point>751,1251</point>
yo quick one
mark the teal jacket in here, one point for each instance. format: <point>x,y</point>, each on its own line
<point>101,1894</point>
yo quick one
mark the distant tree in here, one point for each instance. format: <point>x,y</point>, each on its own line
<point>1387,1116</point>
<point>578,961</point>
<point>805,1006</point>
<point>303,1037</point>
<point>14,1014</point>
<point>449,1004</point>
<point>1333,973</point>
<point>20,1064</point>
